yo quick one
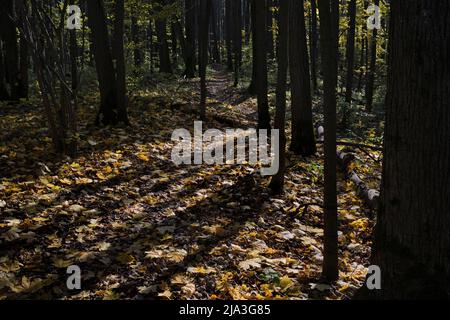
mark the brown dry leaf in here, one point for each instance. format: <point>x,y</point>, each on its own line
<point>250,263</point>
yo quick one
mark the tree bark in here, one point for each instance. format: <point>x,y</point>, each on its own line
<point>313,44</point>
<point>277,182</point>
<point>190,38</point>
<point>205,9</point>
<point>23,67</point>
<point>372,68</point>
<point>328,46</point>
<point>237,39</point>
<point>252,87</point>
<point>4,94</point>
<point>260,10</point>
<point>164,54</point>
<point>137,54</point>
<point>10,44</point>
<point>412,238</point>
<point>303,141</point>
<point>350,50</point>
<point>270,38</point>
<point>229,32</point>
<point>103,62</point>
<point>350,63</point>
<point>120,62</point>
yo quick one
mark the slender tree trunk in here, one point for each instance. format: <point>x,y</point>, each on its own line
<point>137,54</point>
<point>362,65</point>
<point>303,141</point>
<point>313,44</point>
<point>120,62</point>
<point>23,65</point>
<point>151,45</point>
<point>372,68</point>
<point>215,38</point>
<point>237,39</point>
<point>277,182</point>
<point>247,21</point>
<point>350,50</point>
<point>252,86</point>
<point>328,46</point>
<point>412,238</point>
<point>350,62</point>
<point>164,54</point>
<point>10,44</point>
<point>4,95</point>
<point>229,33</point>
<point>335,18</point>
<point>104,63</point>
<point>190,38</point>
<point>269,21</point>
<point>174,43</point>
<point>205,10</point>
<point>73,59</point>
<point>178,29</point>
<point>261,64</point>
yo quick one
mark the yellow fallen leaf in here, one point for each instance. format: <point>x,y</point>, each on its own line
<point>201,270</point>
<point>101,176</point>
<point>143,157</point>
<point>286,283</point>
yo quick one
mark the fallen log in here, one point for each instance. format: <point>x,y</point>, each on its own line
<point>321,138</point>
<point>370,196</point>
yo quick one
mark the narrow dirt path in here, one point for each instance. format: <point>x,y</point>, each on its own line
<point>228,101</point>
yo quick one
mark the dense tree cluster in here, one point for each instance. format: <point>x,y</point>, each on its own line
<point>306,51</point>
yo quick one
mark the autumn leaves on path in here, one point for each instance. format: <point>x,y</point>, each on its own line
<point>140,227</point>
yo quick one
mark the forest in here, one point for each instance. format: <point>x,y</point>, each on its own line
<point>224,150</point>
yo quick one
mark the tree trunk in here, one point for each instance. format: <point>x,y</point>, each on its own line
<point>178,30</point>
<point>350,63</point>
<point>174,43</point>
<point>335,18</point>
<point>313,44</point>
<point>103,62</point>
<point>9,35</point>
<point>120,62</point>
<point>277,182</point>
<point>73,59</point>
<point>23,66</point>
<point>229,32</point>
<point>412,238</point>
<point>190,38</point>
<point>163,46</point>
<point>362,69</point>
<point>215,38</point>
<point>260,9</point>
<point>205,10</point>
<point>237,39</point>
<point>270,41</point>
<point>4,95</point>
<point>137,54</point>
<point>350,50</point>
<point>328,46</point>
<point>247,21</point>
<point>372,68</point>
<point>252,87</point>
<point>303,141</point>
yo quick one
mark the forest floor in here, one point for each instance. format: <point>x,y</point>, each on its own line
<point>140,227</point>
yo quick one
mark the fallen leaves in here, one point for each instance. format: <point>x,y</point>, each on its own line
<point>121,207</point>
<point>170,254</point>
<point>250,263</point>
